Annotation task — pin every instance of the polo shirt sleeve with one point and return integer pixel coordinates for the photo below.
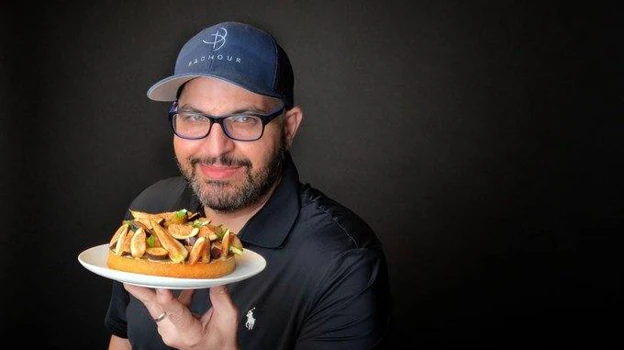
(115, 319)
(352, 309)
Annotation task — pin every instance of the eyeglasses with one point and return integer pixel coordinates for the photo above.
(247, 126)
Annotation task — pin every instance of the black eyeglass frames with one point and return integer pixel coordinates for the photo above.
(247, 126)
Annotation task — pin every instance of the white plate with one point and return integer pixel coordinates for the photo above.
(247, 265)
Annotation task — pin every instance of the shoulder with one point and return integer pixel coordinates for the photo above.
(347, 257)
(161, 195)
(330, 222)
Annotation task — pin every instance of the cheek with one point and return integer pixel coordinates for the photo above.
(274, 137)
(264, 152)
(182, 149)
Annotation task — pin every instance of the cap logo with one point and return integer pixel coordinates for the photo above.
(219, 42)
(219, 39)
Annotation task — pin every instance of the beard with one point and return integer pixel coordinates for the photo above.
(227, 197)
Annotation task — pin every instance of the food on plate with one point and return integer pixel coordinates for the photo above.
(173, 244)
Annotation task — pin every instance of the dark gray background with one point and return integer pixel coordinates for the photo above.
(480, 139)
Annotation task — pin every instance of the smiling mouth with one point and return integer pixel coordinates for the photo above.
(219, 172)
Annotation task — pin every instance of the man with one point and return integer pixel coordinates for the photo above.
(325, 285)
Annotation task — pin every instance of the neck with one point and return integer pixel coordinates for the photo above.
(235, 220)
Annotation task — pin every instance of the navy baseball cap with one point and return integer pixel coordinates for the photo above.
(237, 53)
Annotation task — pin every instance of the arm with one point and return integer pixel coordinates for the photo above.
(117, 343)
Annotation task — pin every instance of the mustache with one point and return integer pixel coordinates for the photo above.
(224, 160)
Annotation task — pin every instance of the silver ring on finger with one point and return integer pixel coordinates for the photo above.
(160, 317)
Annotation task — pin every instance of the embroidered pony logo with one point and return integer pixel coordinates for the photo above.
(250, 319)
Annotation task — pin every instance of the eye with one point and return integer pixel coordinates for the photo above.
(190, 117)
(244, 119)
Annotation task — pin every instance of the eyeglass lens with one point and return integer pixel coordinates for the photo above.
(239, 127)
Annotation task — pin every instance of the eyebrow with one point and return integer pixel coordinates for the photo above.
(250, 109)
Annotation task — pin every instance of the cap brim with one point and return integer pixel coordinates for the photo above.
(166, 89)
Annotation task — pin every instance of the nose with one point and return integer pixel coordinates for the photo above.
(217, 142)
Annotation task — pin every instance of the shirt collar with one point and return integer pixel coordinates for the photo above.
(270, 226)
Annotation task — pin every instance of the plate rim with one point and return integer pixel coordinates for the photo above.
(258, 263)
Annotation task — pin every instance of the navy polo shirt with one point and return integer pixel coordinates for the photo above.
(325, 285)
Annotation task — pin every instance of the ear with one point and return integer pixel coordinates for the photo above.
(292, 120)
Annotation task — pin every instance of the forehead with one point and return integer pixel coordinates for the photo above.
(216, 93)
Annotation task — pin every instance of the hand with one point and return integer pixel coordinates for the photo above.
(180, 328)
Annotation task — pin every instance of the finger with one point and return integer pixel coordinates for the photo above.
(207, 316)
(177, 312)
(147, 296)
(186, 296)
(222, 302)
